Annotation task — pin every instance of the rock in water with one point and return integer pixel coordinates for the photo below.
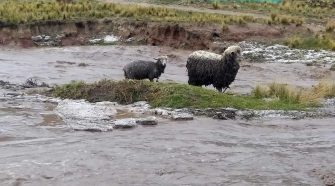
(178, 114)
(125, 123)
(147, 121)
(181, 116)
(328, 179)
(38, 38)
(84, 116)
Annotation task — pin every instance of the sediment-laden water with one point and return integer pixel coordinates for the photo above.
(42, 141)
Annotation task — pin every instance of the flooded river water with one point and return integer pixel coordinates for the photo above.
(39, 148)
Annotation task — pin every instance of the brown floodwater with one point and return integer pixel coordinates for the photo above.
(39, 148)
(62, 65)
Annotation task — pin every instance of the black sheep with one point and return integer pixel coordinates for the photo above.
(145, 69)
(206, 68)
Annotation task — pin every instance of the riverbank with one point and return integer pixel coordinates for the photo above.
(79, 23)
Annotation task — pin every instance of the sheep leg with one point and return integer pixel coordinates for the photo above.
(219, 89)
(157, 80)
(224, 90)
(194, 83)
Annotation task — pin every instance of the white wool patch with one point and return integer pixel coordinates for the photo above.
(201, 54)
(164, 59)
(233, 48)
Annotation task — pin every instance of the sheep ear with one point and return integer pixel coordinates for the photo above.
(156, 58)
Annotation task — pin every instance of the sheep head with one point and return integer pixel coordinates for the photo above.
(233, 53)
(161, 62)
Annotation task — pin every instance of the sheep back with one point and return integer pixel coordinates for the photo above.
(206, 68)
(141, 70)
(202, 68)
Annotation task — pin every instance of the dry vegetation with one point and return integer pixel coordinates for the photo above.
(296, 95)
(322, 3)
(288, 12)
(310, 8)
(330, 26)
(15, 12)
(320, 41)
(285, 20)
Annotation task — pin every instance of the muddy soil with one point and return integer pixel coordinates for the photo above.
(177, 35)
(81, 32)
(40, 148)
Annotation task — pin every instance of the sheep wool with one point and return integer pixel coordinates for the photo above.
(204, 55)
(206, 68)
(145, 69)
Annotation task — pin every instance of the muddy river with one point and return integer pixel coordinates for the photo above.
(39, 147)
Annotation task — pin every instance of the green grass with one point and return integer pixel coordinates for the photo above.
(323, 41)
(167, 95)
(18, 12)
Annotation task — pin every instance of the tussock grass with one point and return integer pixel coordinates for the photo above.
(287, 7)
(290, 94)
(322, 3)
(285, 20)
(167, 95)
(325, 89)
(295, 8)
(330, 26)
(278, 91)
(323, 41)
(215, 5)
(16, 12)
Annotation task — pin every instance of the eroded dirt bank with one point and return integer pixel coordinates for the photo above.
(182, 35)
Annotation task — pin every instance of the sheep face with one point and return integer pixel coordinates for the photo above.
(161, 63)
(233, 53)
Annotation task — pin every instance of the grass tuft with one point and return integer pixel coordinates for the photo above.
(323, 41)
(330, 26)
(295, 95)
(215, 4)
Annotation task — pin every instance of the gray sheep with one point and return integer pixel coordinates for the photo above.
(206, 68)
(145, 69)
